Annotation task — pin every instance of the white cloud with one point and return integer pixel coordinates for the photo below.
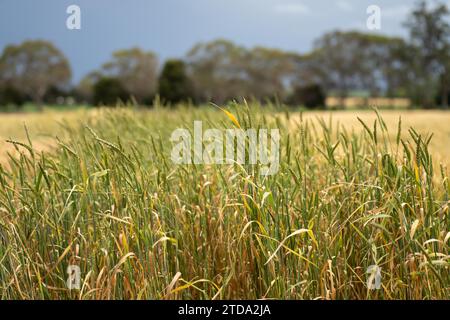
(344, 5)
(296, 8)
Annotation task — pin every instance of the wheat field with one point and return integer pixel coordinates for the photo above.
(97, 189)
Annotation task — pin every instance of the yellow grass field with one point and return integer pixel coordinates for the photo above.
(43, 127)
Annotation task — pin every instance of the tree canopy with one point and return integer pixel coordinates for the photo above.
(174, 84)
(33, 67)
(136, 70)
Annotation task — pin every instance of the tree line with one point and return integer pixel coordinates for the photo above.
(340, 63)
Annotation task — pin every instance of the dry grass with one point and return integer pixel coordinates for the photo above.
(108, 199)
(43, 127)
(425, 122)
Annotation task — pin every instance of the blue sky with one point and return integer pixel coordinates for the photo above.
(171, 27)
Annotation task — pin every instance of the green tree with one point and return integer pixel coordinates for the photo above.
(214, 68)
(345, 61)
(84, 91)
(269, 72)
(222, 71)
(136, 70)
(10, 96)
(429, 32)
(109, 91)
(33, 67)
(311, 96)
(174, 84)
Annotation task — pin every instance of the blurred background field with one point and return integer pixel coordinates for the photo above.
(44, 127)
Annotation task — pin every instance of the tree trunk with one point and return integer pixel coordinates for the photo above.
(39, 99)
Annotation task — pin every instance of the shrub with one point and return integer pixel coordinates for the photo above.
(174, 84)
(311, 96)
(109, 91)
(10, 96)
